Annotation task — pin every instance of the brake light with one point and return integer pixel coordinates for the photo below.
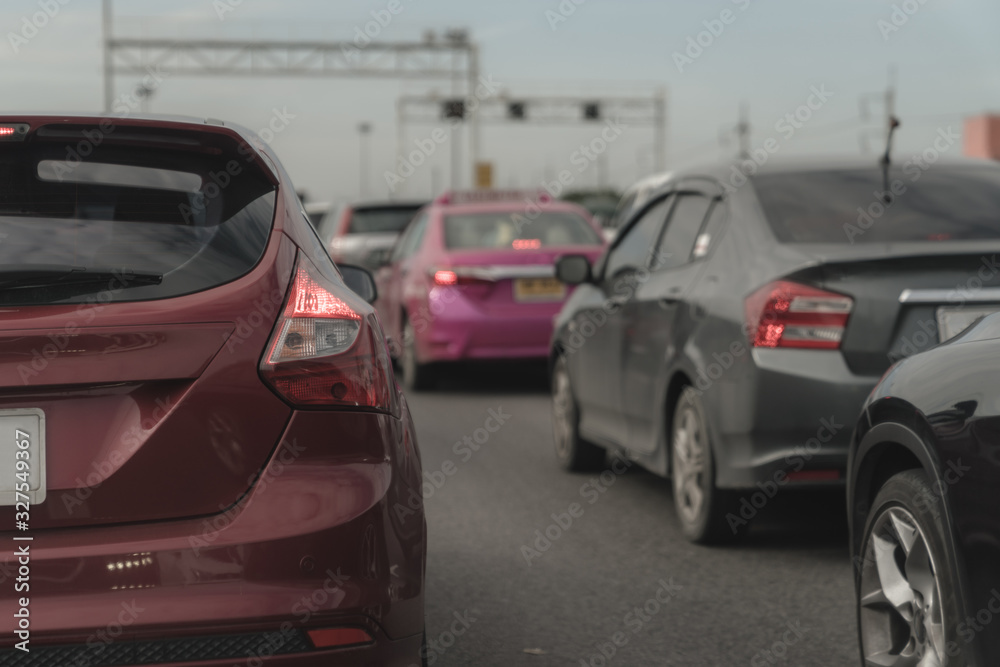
(324, 352)
(461, 275)
(445, 278)
(787, 314)
(14, 132)
(527, 244)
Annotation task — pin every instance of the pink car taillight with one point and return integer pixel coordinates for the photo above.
(469, 279)
(323, 352)
(445, 278)
(787, 314)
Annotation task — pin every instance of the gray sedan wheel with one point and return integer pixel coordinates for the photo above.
(573, 453)
(700, 506)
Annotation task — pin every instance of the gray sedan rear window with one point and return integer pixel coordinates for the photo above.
(943, 203)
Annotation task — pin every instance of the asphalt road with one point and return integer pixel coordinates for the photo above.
(619, 570)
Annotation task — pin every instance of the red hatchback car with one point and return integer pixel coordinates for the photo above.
(473, 277)
(205, 457)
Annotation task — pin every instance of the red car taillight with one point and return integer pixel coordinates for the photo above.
(787, 314)
(323, 352)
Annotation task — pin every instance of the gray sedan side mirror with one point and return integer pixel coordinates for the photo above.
(574, 269)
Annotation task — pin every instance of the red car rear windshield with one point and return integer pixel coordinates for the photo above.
(516, 231)
(846, 206)
(151, 213)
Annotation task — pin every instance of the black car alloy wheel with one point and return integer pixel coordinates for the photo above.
(906, 600)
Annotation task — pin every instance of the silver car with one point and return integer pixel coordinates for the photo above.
(361, 234)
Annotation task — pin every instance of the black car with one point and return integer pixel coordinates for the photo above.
(922, 497)
(731, 333)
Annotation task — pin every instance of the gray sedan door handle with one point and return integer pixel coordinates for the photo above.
(618, 300)
(673, 297)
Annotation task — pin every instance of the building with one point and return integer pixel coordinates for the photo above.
(982, 137)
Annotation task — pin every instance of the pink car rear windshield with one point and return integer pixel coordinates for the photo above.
(516, 231)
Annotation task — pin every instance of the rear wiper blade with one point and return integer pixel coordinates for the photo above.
(52, 275)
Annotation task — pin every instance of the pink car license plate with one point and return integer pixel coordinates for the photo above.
(538, 289)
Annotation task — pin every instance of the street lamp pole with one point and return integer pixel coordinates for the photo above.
(364, 146)
(109, 82)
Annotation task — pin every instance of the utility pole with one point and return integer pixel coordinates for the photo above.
(435, 181)
(400, 140)
(144, 93)
(109, 92)
(364, 148)
(474, 134)
(660, 131)
(741, 131)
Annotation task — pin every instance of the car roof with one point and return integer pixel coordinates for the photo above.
(317, 206)
(815, 163)
(389, 203)
(723, 171)
(651, 182)
(510, 207)
(268, 161)
(164, 120)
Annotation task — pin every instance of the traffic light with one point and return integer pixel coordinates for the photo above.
(454, 109)
(592, 111)
(516, 111)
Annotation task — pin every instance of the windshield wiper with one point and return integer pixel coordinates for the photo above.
(33, 276)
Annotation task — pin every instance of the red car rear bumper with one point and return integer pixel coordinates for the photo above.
(329, 536)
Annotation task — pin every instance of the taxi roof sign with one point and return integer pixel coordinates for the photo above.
(492, 196)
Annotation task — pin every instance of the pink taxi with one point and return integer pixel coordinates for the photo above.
(473, 277)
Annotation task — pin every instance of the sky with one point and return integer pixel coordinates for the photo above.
(821, 62)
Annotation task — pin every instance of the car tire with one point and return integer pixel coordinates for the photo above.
(701, 507)
(573, 452)
(417, 376)
(920, 611)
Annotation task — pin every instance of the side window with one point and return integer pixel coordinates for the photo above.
(622, 210)
(683, 228)
(633, 252)
(411, 239)
(711, 231)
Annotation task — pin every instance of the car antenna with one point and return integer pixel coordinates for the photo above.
(886, 160)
